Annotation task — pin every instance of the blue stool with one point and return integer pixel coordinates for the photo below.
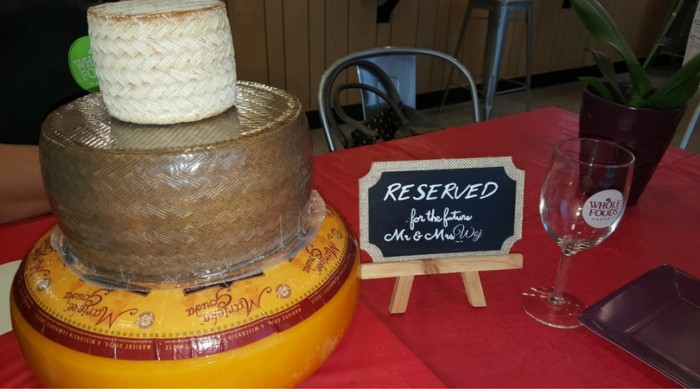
(498, 19)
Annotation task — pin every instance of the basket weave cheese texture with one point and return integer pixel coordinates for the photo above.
(178, 204)
(163, 61)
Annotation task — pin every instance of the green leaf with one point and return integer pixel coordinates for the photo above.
(679, 89)
(674, 98)
(667, 26)
(599, 23)
(607, 69)
(598, 86)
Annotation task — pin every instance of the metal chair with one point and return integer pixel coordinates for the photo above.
(691, 127)
(499, 12)
(400, 64)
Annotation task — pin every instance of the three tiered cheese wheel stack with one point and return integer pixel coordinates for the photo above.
(190, 249)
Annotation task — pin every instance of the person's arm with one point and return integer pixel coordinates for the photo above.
(22, 192)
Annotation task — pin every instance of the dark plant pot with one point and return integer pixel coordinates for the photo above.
(646, 132)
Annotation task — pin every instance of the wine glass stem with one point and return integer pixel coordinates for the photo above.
(565, 260)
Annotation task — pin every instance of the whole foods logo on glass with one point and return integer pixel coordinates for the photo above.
(603, 208)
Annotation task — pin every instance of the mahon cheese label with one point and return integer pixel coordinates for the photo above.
(170, 324)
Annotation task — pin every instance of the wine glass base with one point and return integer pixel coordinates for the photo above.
(539, 304)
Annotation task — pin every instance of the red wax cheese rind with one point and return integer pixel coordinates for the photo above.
(270, 330)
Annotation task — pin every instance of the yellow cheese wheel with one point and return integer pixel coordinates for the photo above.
(270, 330)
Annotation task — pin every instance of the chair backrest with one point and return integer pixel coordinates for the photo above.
(399, 64)
(401, 69)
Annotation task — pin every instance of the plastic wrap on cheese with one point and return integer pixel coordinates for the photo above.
(183, 204)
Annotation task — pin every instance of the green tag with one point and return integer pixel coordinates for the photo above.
(81, 66)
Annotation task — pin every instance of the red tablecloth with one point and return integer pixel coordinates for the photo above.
(443, 341)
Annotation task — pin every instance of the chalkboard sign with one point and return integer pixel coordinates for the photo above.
(440, 208)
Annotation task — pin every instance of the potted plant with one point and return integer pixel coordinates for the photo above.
(633, 114)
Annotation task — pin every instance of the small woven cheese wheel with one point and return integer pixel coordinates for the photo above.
(163, 61)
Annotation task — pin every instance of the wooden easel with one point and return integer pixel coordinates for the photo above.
(469, 267)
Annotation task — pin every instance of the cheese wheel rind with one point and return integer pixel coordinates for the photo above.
(163, 61)
(145, 204)
(63, 324)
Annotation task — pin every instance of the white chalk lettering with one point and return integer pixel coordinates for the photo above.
(467, 233)
(395, 187)
(451, 216)
(415, 218)
(397, 235)
(401, 192)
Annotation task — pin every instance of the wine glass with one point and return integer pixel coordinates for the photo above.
(582, 201)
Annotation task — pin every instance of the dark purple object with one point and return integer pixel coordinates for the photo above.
(646, 132)
(657, 319)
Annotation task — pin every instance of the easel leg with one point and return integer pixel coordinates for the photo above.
(472, 285)
(402, 291)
